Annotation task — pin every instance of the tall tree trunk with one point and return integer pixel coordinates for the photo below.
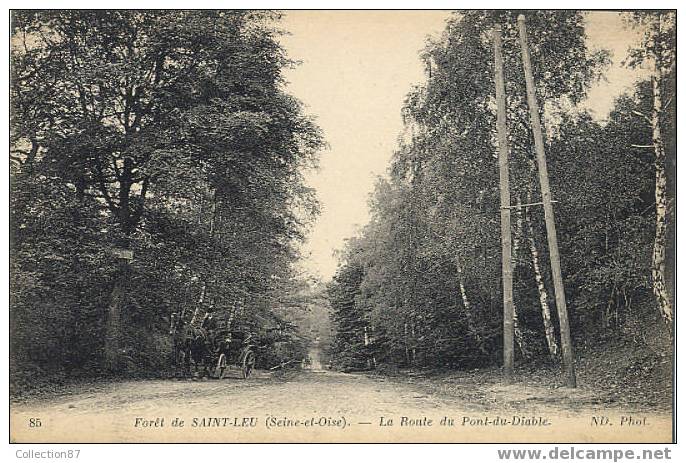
(213, 216)
(371, 343)
(113, 323)
(660, 245)
(553, 347)
(366, 347)
(468, 308)
(196, 313)
(414, 343)
(407, 347)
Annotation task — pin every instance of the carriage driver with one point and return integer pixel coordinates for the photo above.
(208, 321)
(210, 325)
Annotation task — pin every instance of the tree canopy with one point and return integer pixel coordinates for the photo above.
(167, 133)
(429, 260)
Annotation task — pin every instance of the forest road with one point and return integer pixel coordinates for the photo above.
(322, 406)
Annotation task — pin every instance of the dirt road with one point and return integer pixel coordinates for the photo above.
(322, 406)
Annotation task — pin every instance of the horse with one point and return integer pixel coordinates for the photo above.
(190, 343)
(199, 348)
(178, 330)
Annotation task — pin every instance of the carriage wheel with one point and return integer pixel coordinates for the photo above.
(221, 366)
(248, 364)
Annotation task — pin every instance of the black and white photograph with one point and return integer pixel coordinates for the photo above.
(342, 226)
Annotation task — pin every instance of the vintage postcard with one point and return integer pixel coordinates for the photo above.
(389, 226)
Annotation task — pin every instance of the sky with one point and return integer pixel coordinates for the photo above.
(356, 68)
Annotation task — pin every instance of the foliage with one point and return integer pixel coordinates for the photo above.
(427, 273)
(164, 132)
(348, 346)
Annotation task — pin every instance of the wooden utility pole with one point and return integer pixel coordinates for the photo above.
(567, 351)
(505, 233)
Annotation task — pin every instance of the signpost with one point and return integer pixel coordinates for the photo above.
(124, 254)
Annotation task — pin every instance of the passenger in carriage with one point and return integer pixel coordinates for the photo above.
(208, 321)
(209, 325)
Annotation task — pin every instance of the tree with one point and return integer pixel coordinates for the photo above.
(430, 255)
(348, 346)
(457, 106)
(174, 126)
(658, 50)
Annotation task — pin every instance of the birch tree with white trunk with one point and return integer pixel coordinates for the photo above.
(658, 53)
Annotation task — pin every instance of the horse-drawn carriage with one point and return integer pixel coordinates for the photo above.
(211, 345)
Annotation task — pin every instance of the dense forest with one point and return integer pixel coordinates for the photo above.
(156, 163)
(421, 286)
